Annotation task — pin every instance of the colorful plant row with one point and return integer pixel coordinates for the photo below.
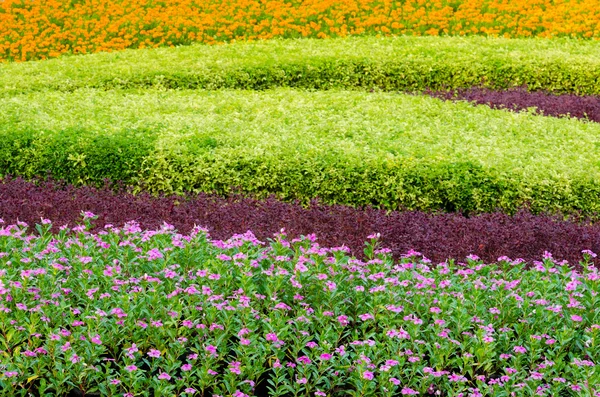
(567, 105)
(34, 30)
(439, 236)
(389, 64)
(357, 148)
(139, 313)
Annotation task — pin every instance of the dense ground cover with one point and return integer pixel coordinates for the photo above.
(389, 64)
(519, 99)
(383, 149)
(135, 312)
(438, 236)
(33, 29)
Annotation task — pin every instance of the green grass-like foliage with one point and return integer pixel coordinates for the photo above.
(350, 147)
(397, 63)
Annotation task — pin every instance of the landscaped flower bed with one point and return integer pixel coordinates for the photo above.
(33, 29)
(437, 235)
(134, 312)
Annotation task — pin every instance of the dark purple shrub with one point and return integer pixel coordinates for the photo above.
(437, 236)
(581, 107)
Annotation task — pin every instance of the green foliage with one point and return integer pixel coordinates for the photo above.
(348, 147)
(389, 64)
(74, 155)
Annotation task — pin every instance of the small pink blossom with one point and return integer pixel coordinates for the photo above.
(154, 353)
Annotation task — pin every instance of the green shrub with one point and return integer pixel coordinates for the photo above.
(392, 63)
(348, 147)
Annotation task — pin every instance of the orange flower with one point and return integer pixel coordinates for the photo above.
(35, 29)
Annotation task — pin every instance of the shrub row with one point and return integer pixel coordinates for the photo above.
(390, 64)
(437, 236)
(381, 149)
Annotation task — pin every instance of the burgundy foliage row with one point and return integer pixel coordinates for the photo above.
(437, 236)
(520, 99)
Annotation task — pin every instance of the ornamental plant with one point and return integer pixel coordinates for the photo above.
(39, 30)
(132, 312)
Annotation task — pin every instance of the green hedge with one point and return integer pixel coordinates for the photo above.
(392, 63)
(74, 155)
(349, 147)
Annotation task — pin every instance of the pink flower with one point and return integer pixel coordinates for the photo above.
(10, 374)
(343, 320)
(395, 381)
(519, 349)
(435, 310)
(456, 378)
(271, 337)
(186, 367)
(164, 375)
(407, 391)
(154, 353)
(577, 318)
(234, 367)
(368, 375)
(154, 254)
(320, 393)
(302, 381)
(243, 332)
(131, 368)
(212, 350)
(304, 360)
(190, 390)
(537, 375)
(365, 317)
(326, 356)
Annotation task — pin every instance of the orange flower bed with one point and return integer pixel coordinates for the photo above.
(36, 29)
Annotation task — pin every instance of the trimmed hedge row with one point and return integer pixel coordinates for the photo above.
(385, 150)
(392, 63)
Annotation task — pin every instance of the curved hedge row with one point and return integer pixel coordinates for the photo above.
(386, 150)
(395, 63)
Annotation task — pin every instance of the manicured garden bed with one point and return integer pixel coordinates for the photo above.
(132, 312)
(438, 236)
(220, 174)
(402, 63)
(356, 148)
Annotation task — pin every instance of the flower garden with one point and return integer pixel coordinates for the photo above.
(341, 198)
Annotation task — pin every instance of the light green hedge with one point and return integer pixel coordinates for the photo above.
(383, 149)
(392, 63)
